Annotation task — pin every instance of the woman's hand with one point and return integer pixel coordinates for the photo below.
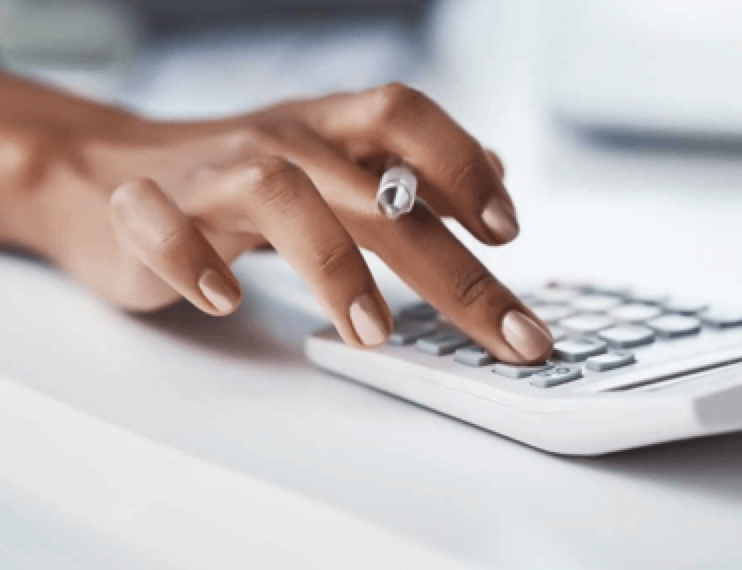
(145, 213)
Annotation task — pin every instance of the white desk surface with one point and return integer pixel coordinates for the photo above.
(221, 390)
(226, 391)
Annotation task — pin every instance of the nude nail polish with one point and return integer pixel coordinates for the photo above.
(500, 220)
(220, 293)
(526, 337)
(368, 320)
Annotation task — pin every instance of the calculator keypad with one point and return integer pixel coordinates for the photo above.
(593, 327)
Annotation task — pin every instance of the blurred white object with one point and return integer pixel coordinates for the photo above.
(83, 45)
(226, 71)
(81, 33)
(667, 65)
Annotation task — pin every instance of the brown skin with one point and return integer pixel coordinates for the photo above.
(145, 213)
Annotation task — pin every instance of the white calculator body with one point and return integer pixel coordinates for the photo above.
(629, 369)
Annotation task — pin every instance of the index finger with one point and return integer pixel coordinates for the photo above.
(425, 254)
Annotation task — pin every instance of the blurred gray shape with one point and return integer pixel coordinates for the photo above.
(79, 34)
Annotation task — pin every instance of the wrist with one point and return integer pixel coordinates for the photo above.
(50, 168)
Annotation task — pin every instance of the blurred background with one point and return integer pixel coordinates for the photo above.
(620, 111)
(558, 86)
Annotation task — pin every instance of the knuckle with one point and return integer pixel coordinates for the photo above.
(466, 171)
(394, 99)
(129, 195)
(336, 258)
(21, 153)
(272, 181)
(241, 140)
(472, 285)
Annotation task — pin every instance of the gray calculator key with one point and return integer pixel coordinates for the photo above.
(586, 324)
(409, 331)
(627, 336)
(442, 343)
(555, 295)
(649, 297)
(674, 326)
(527, 299)
(635, 313)
(622, 291)
(574, 285)
(552, 314)
(578, 349)
(595, 303)
(473, 355)
(555, 376)
(721, 318)
(518, 372)
(557, 333)
(610, 360)
(419, 312)
(688, 307)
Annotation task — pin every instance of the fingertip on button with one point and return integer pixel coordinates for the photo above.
(526, 337)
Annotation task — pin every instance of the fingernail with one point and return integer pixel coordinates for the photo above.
(500, 220)
(368, 320)
(218, 291)
(525, 336)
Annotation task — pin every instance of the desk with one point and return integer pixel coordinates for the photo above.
(224, 391)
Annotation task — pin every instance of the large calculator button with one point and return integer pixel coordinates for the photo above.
(586, 324)
(518, 372)
(408, 331)
(578, 349)
(627, 336)
(610, 360)
(687, 307)
(552, 314)
(674, 326)
(442, 343)
(473, 355)
(419, 312)
(635, 313)
(557, 375)
(721, 318)
(595, 303)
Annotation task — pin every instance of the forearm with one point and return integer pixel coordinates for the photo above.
(44, 138)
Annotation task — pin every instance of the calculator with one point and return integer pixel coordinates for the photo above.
(630, 368)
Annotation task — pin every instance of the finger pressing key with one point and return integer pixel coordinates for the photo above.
(420, 249)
